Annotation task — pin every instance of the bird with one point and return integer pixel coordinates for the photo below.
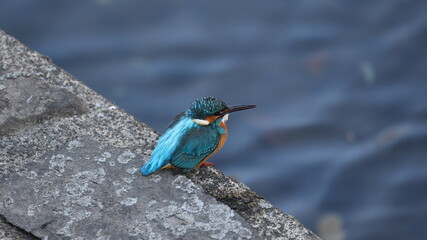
(193, 136)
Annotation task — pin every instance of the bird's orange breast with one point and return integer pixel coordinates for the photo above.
(220, 144)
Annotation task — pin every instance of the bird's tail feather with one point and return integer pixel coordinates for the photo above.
(148, 168)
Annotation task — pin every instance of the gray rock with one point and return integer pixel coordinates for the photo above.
(268, 221)
(28, 101)
(69, 163)
(10, 232)
(87, 189)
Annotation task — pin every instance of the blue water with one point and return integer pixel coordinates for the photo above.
(339, 139)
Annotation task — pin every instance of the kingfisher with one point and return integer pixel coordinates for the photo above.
(193, 136)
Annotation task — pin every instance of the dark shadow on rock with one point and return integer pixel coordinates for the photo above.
(269, 221)
(10, 231)
(26, 101)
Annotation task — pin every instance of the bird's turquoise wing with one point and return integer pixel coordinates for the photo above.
(197, 144)
(175, 120)
(184, 145)
(167, 145)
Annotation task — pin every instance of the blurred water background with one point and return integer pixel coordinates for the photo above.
(339, 139)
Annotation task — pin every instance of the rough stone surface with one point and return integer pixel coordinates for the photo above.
(269, 221)
(81, 187)
(27, 102)
(10, 232)
(69, 164)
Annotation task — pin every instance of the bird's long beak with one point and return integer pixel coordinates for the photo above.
(236, 108)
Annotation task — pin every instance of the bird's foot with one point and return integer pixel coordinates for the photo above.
(207, 164)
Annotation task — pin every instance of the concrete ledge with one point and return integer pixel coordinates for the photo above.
(69, 164)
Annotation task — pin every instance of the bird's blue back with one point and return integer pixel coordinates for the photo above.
(185, 144)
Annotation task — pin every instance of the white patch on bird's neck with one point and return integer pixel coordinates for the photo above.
(201, 122)
(225, 118)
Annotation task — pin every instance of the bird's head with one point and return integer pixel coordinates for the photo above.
(207, 110)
